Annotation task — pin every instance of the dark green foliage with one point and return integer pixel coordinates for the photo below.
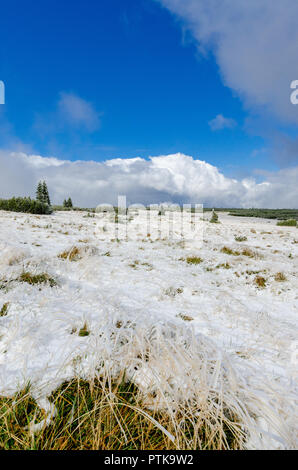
(45, 194)
(281, 214)
(42, 193)
(288, 223)
(78, 209)
(25, 204)
(39, 195)
(68, 203)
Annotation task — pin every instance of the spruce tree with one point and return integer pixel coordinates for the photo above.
(69, 203)
(39, 192)
(45, 194)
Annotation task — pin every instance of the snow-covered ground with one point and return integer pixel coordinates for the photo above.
(144, 282)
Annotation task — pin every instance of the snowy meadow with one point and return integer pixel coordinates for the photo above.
(204, 327)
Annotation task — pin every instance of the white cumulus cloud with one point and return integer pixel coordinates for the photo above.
(175, 178)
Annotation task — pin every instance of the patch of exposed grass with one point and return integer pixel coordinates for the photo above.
(260, 281)
(71, 255)
(172, 291)
(240, 239)
(229, 251)
(33, 279)
(110, 415)
(4, 309)
(224, 266)
(194, 260)
(248, 252)
(84, 331)
(280, 277)
(184, 317)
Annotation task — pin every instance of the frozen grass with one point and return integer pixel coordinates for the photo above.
(73, 254)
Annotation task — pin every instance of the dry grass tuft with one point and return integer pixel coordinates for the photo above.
(4, 309)
(280, 277)
(260, 281)
(71, 255)
(229, 251)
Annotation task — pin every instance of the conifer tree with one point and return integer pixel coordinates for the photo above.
(45, 194)
(39, 192)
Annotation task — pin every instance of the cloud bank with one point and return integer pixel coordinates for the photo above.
(255, 43)
(174, 178)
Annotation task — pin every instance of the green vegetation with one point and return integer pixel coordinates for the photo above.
(68, 203)
(281, 214)
(110, 415)
(288, 223)
(229, 251)
(214, 218)
(244, 252)
(84, 331)
(25, 204)
(33, 279)
(193, 260)
(240, 239)
(42, 193)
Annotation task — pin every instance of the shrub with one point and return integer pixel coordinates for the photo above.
(287, 223)
(25, 204)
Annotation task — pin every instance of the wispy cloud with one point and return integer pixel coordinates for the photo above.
(78, 112)
(220, 122)
(70, 114)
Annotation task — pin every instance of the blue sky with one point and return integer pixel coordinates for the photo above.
(91, 80)
(142, 74)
